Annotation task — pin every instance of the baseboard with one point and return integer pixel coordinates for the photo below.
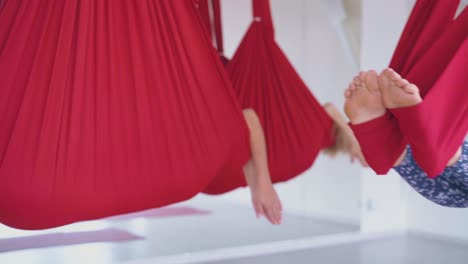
(266, 248)
(439, 237)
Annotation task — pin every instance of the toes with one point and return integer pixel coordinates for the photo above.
(362, 76)
(384, 78)
(394, 74)
(385, 73)
(395, 77)
(407, 88)
(347, 93)
(411, 88)
(401, 82)
(372, 72)
(351, 88)
(356, 80)
(372, 80)
(388, 73)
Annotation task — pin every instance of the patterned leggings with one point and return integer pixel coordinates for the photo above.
(448, 189)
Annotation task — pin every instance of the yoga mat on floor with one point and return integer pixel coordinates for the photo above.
(173, 211)
(64, 239)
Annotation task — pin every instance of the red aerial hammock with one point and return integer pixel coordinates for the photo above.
(296, 126)
(110, 107)
(432, 53)
(210, 13)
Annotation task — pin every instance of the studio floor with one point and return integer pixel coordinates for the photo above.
(213, 231)
(397, 250)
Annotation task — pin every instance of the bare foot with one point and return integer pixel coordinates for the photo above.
(364, 99)
(265, 199)
(396, 91)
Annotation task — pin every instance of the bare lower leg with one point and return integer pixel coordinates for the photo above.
(258, 164)
(264, 197)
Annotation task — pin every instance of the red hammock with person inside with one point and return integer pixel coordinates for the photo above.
(109, 107)
(296, 126)
(432, 53)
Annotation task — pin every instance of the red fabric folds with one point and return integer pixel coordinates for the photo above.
(296, 126)
(431, 53)
(437, 127)
(384, 133)
(110, 107)
(210, 12)
(218, 26)
(427, 20)
(262, 13)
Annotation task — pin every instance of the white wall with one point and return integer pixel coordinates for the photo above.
(383, 197)
(310, 38)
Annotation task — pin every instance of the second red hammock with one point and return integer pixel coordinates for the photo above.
(296, 126)
(428, 55)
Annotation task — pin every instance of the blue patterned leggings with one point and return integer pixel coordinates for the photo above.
(448, 189)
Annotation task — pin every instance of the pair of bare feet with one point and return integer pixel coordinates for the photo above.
(370, 95)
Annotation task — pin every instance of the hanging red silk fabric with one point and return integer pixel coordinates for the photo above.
(432, 53)
(109, 107)
(296, 126)
(210, 13)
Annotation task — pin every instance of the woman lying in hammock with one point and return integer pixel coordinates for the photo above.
(264, 197)
(369, 97)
